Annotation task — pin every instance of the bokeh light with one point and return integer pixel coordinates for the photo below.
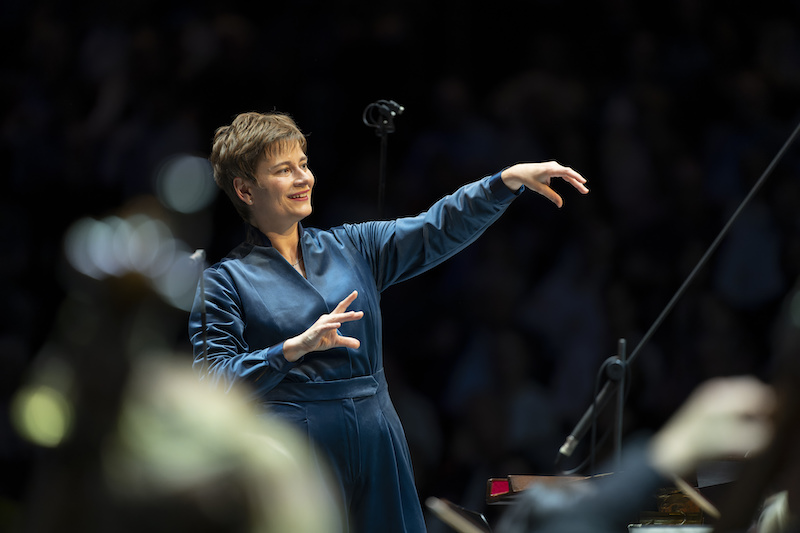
(185, 183)
(42, 414)
(116, 246)
(178, 282)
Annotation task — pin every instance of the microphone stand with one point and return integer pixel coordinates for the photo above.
(615, 369)
(199, 256)
(601, 399)
(621, 377)
(380, 115)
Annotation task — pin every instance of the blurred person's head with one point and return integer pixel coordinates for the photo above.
(186, 458)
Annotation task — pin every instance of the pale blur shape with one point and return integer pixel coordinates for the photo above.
(42, 411)
(139, 244)
(177, 436)
(42, 414)
(185, 183)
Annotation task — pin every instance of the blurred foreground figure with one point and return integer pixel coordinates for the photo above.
(183, 458)
(723, 418)
(195, 461)
(128, 440)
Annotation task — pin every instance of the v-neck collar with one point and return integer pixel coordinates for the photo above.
(256, 237)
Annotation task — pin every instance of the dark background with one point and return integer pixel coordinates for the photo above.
(671, 110)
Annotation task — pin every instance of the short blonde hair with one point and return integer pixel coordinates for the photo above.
(238, 147)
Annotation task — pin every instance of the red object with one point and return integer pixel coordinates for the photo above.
(499, 487)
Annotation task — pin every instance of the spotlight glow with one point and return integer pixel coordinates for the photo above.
(42, 415)
(185, 183)
(115, 246)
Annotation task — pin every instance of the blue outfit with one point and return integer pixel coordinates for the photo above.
(255, 300)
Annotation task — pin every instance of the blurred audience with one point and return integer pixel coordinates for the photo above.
(673, 112)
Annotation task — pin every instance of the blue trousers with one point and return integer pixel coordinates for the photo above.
(359, 440)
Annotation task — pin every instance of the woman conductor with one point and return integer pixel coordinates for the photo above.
(278, 307)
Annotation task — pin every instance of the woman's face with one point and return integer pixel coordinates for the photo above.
(282, 196)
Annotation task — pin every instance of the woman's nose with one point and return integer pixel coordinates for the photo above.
(304, 174)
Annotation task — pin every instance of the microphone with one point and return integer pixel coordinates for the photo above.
(390, 106)
(381, 114)
(583, 425)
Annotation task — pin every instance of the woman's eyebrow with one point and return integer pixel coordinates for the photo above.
(287, 162)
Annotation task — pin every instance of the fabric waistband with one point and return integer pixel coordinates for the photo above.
(357, 387)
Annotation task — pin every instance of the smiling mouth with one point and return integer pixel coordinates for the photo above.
(299, 196)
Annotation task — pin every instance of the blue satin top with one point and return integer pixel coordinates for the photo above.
(255, 299)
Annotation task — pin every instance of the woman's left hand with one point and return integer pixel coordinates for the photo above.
(324, 333)
(537, 176)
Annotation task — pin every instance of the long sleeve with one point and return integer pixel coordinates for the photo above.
(224, 354)
(404, 248)
(255, 300)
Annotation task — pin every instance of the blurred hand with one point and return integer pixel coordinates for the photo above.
(722, 418)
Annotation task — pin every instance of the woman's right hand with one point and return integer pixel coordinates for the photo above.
(538, 177)
(324, 334)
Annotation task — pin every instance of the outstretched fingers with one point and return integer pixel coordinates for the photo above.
(545, 190)
(539, 176)
(344, 304)
(348, 342)
(324, 333)
(575, 179)
(567, 174)
(339, 316)
(340, 313)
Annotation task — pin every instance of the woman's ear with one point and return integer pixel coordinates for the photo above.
(243, 190)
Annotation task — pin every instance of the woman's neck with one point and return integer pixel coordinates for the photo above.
(286, 242)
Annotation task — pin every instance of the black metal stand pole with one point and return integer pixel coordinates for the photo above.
(380, 115)
(602, 397)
